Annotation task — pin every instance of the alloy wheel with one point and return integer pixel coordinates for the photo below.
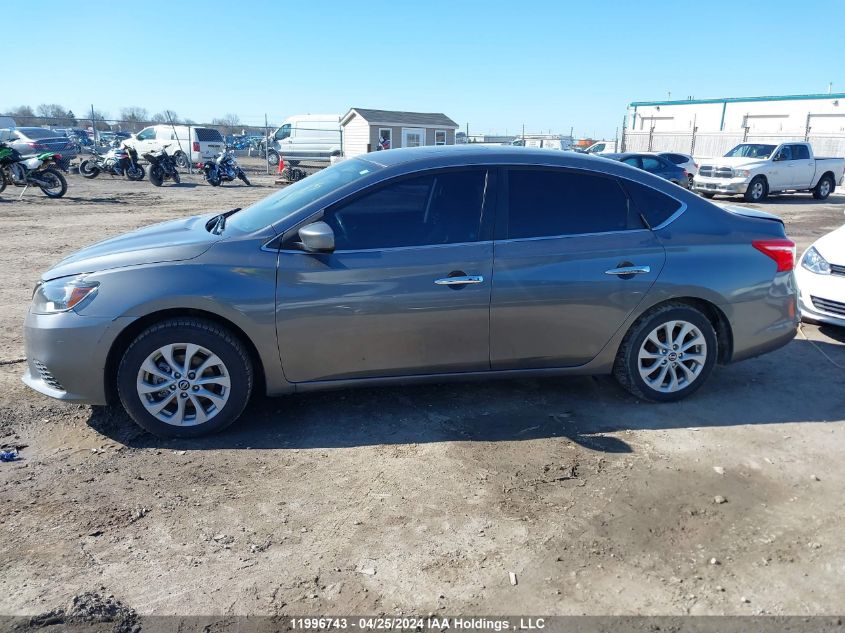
(183, 384)
(672, 356)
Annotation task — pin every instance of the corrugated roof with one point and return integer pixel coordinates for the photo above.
(426, 119)
(835, 95)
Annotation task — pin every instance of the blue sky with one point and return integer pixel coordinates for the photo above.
(549, 65)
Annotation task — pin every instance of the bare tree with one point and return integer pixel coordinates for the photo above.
(134, 117)
(99, 120)
(229, 122)
(165, 116)
(23, 115)
(54, 114)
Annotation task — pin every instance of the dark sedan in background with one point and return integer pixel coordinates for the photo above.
(656, 165)
(35, 140)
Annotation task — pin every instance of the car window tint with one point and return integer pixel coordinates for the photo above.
(633, 161)
(652, 164)
(440, 208)
(800, 152)
(544, 203)
(677, 159)
(656, 207)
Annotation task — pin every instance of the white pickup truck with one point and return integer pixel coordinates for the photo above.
(756, 169)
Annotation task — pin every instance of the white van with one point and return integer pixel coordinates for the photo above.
(601, 147)
(314, 137)
(182, 141)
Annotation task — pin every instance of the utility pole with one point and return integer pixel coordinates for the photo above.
(93, 125)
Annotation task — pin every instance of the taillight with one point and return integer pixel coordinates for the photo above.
(57, 157)
(782, 251)
(37, 145)
(196, 146)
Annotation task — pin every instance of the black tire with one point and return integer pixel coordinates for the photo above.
(176, 178)
(626, 369)
(181, 159)
(88, 169)
(53, 175)
(136, 173)
(243, 177)
(206, 334)
(2, 181)
(273, 157)
(213, 179)
(709, 196)
(757, 190)
(691, 180)
(156, 175)
(824, 187)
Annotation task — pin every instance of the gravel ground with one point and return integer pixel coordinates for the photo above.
(422, 499)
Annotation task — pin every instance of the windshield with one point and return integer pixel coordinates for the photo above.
(294, 197)
(751, 150)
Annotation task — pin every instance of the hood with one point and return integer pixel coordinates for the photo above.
(739, 162)
(749, 213)
(832, 246)
(171, 241)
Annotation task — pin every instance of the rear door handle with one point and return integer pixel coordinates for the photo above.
(459, 281)
(628, 270)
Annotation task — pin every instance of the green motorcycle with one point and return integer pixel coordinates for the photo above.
(38, 171)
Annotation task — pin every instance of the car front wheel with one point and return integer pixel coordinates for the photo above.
(667, 354)
(185, 378)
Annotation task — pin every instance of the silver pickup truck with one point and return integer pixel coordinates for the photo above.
(755, 170)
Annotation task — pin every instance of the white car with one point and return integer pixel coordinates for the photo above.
(821, 280)
(180, 141)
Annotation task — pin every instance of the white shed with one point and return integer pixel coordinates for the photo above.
(365, 130)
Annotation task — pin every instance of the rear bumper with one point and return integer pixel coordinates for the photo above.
(720, 185)
(767, 322)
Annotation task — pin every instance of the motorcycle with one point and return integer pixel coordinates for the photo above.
(36, 170)
(222, 168)
(162, 167)
(118, 161)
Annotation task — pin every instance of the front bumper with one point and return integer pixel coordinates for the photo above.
(66, 355)
(821, 297)
(729, 186)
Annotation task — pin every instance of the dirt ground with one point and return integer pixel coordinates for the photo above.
(422, 499)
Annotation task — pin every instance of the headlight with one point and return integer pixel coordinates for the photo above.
(741, 173)
(61, 295)
(814, 262)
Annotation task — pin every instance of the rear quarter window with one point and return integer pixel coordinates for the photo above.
(655, 207)
(206, 135)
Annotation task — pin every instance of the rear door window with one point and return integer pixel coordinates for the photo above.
(438, 208)
(653, 164)
(551, 202)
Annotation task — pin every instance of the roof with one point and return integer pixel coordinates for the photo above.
(472, 153)
(396, 117)
(835, 95)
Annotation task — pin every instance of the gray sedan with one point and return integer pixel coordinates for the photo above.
(30, 141)
(425, 264)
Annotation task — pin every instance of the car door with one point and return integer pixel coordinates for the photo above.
(803, 170)
(145, 140)
(406, 290)
(572, 260)
(780, 176)
(660, 167)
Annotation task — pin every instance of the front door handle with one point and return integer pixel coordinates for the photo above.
(628, 270)
(461, 280)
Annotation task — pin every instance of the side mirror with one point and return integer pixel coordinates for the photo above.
(317, 237)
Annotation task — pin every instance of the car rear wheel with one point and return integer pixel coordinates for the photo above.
(667, 354)
(181, 159)
(185, 378)
(757, 190)
(823, 188)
